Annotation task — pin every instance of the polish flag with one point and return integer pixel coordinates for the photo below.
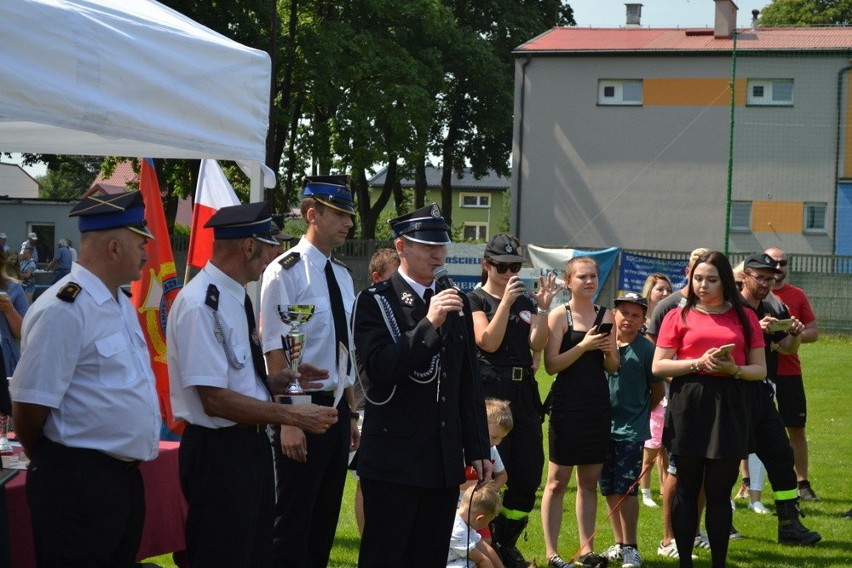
(213, 192)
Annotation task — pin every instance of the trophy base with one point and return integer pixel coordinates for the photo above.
(294, 398)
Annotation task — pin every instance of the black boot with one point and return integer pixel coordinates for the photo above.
(790, 530)
(505, 533)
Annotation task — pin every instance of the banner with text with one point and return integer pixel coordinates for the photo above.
(635, 269)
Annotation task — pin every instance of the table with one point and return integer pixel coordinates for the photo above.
(164, 516)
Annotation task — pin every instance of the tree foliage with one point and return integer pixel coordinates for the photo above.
(807, 13)
(363, 84)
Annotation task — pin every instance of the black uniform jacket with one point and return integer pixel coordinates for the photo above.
(417, 431)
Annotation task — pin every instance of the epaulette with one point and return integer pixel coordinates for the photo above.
(69, 292)
(212, 297)
(340, 262)
(379, 287)
(290, 260)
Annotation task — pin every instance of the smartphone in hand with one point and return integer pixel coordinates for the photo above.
(604, 329)
(725, 349)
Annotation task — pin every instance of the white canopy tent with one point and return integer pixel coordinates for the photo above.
(129, 78)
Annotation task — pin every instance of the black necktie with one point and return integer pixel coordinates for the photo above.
(254, 343)
(427, 295)
(341, 334)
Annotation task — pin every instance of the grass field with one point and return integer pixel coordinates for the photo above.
(827, 365)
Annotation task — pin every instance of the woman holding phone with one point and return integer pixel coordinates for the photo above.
(580, 415)
(707, 418)
(509, 323)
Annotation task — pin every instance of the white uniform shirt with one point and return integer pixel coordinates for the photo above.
(198, 358)
(88, 362)
(305, 283)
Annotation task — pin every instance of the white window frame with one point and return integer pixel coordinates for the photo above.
(745, 209)
(481, 230)
(480, 197)
(771, 88)
(617, 88)
(812, 206)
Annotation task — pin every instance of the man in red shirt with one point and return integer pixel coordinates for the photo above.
(790, 390)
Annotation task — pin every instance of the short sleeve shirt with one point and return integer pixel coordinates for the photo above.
(304, 282)
(514, 351)
(799, 306)
(629, 391)
(87, 361)
(204, 353)
(700, 332)
(462, 540)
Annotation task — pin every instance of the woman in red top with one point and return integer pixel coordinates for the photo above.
(707, 428)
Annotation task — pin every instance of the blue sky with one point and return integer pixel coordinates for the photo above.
(659, 13)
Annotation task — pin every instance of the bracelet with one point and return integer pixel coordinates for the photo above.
(543, 311)
(738, 374)
(693, 367)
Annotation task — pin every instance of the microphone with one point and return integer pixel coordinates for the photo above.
(444, 282)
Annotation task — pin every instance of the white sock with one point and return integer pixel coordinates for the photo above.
(646, 492)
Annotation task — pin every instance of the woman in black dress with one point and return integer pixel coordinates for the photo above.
(580, 415)
(509, 322)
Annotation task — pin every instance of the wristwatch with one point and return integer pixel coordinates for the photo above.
(354, 415)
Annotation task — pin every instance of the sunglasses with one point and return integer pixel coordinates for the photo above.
(502, 268)
(780, 262)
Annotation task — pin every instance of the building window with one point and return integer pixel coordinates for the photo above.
(741, 216)
(620, 92)
(770, 92)
(475, 232)
(815, 217)
(482, 200)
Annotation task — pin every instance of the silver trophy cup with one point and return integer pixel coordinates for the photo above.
(294, 315)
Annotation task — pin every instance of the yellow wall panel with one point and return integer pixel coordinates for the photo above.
(692, 92)
(777, 216)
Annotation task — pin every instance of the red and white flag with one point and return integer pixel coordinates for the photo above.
(213, 192)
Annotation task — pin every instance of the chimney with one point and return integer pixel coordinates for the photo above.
(726, 19)
(634, 15)
(754, 23)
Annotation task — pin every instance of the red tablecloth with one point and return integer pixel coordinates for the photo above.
(164, 516)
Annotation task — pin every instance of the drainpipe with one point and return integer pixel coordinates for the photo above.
(521, 146)
(840, 75)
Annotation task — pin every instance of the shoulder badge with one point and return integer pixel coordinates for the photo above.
(69, 292)
(212, 297)
(290, 260)
(336, 260)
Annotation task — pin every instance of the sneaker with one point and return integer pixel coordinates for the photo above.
(631, 558)
(758, 508)
(735, 534)
(556, 561)
(670, 550)
(743, 492)
(807, 494)
(593, 560)
(613, 552)
(649, 502)
(848, 514)
(701, 541)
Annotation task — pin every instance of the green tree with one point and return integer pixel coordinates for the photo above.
(807, 13)
(67, 177)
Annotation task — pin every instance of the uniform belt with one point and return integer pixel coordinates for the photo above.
(49, 452)
(514, 373)
(322, 398)
(256, 428)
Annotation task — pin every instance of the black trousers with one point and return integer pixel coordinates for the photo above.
(226, 475)
(87, 508)
(770, 438)
(522, 450)
(310, 494)
(406, 526)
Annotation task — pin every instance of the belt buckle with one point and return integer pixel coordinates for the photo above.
(517, 373)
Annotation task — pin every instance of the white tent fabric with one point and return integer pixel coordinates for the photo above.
(128, 78)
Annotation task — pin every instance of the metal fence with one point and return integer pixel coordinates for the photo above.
(827, 280)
